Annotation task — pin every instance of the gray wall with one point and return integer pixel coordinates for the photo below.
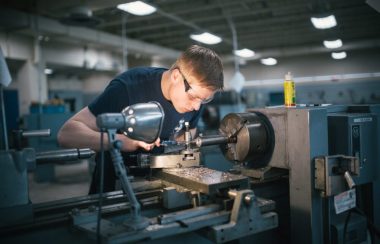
(318, 79)
(363, 92)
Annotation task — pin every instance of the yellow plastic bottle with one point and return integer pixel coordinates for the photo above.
(289, 91)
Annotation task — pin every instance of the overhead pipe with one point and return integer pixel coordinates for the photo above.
(22, 23)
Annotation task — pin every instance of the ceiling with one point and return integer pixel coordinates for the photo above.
(268, 27)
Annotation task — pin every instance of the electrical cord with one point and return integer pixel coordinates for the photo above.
(101, 176)
(375, 232)
(345, 225)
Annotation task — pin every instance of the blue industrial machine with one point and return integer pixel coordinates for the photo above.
(331, 154)
(301, 175)
(38, 121)
(15, 205)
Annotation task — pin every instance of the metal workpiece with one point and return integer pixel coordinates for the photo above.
(173, 146)
(254, 138)
(204, 180)
(212, 140)
(174, 160)
(63, 155)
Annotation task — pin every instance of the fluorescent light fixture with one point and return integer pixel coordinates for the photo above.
(48, 71)
(340, 55)
(206, 38)
(245, 53)
(137, 8)
(268, 61)
(333, 44)
(324, 22)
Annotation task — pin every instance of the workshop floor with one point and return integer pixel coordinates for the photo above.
(71, 180)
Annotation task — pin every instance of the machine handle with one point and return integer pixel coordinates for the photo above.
(35, 133)
(350, 181)
(19, 134)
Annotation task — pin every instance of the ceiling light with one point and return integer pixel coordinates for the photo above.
(333, 44)
(48, 71)
(245, 53)
(80, 16)
(268, 61)
(206, 38)
(137, 8)
(340, 55)
(324, 22)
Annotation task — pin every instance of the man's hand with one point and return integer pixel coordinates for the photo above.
(130, 145)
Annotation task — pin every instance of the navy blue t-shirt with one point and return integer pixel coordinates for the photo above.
(137, 85)
(141, 85)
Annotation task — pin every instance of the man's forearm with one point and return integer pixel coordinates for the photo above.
(77, 135)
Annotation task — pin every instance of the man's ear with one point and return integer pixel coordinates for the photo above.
(174, 75)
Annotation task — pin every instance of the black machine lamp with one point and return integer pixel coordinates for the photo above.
(143, 122)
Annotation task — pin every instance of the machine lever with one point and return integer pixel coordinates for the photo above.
(349, 179)
(36, 133)
(19, 134)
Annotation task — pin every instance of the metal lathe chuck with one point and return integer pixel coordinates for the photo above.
(254, 138)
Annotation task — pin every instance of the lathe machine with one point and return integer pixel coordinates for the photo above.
(303, 175)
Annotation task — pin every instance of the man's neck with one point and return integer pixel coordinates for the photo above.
(165, 84)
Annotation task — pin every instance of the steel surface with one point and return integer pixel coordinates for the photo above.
(204, 180)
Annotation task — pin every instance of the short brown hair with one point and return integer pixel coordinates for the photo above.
(206, 65)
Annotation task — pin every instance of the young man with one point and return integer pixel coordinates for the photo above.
(191, 81)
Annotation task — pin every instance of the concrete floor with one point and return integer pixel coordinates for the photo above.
(71, 180)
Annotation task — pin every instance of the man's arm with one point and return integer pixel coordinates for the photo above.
(80, 131)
